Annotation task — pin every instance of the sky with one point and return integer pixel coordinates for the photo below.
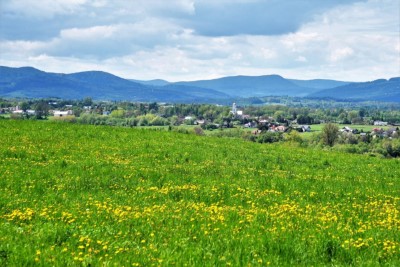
(182, 40)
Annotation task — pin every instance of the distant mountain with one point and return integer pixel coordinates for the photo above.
(29, 82)
(204, 93)
(319, 83)
(32, 83)
(156, 82)
(378, 90)
(253, 86)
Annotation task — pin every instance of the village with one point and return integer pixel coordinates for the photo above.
(162, 114)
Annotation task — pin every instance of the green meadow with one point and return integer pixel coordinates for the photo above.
(81, 195)
(360, 127)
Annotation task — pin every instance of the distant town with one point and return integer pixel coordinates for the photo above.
(356, 127)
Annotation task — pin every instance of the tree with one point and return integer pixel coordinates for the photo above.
(330, 134)
(24, 106)
(279, 116)
(118, 113)
(87, 101)
(42, 110)
(304, 119)
(153, 107)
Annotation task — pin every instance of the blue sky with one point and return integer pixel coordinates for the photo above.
(203, 39)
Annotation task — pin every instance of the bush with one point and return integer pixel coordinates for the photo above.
(70, 118)
(294, 137)
(209, 126)
(180, 130)
(392, 147)
(198, 131)
(249, 136)
(231, 132)
(16, 116)
(270, 137)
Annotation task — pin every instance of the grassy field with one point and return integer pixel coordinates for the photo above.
(79, 195)
(5, 116)
(317, 128)
(365, 128)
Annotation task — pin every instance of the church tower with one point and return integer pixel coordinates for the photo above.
(234, 109)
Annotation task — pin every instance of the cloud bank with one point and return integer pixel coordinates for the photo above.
(199, 39)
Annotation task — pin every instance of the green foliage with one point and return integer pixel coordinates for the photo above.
(305, 119)
(42, 109)
(330, 134)
(118, 113)
(228, 132)
(294, 136)
(82, 195)
(87, 101)
(269, 137)
(24, 106)
(392, 147)
(209, 126)
(198, 131)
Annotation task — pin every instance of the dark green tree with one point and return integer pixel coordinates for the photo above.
(87, 101)
(24, 106)
(42, 109)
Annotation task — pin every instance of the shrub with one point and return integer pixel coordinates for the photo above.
(198, 131)
(270, 137)
(294, 137)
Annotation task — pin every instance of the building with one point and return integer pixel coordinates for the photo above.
(380, 123)
(234, 109)
(59, 113)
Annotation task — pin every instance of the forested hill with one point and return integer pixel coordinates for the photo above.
(378, 90)
(32, 83)
(28, 82)
(250, 86)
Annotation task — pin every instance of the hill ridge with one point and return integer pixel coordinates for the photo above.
(30, 82)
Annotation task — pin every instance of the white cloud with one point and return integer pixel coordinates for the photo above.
(89, 33)
(301, 59)
(21, 47)
(151, 39)
(340, 53)
(42, 8)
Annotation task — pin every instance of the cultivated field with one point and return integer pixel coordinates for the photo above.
(79, 195)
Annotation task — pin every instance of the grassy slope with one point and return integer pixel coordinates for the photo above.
(73, 195)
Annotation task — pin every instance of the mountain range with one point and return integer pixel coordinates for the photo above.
(378, 90)
(28, 82)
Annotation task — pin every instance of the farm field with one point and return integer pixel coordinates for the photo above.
(80, 195)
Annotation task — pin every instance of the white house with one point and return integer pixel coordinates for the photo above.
(380, 123)
(346, 129)
(59, 113)
(305, 128)
(200, 122)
